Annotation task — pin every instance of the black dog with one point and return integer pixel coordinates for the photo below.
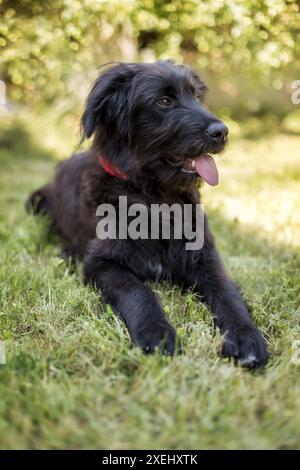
(152, 136)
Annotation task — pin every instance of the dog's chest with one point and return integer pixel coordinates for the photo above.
(154, 270)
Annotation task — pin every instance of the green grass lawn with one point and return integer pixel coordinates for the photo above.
(72, 378)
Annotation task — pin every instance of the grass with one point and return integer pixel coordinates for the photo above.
(72, 379)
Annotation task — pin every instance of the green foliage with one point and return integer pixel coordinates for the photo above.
(44, 44)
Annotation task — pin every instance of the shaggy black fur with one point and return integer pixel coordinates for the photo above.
(146, 119)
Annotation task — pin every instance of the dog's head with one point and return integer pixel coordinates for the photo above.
(149, 120)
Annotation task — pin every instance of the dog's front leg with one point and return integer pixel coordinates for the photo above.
(242, 339)
(135, 303)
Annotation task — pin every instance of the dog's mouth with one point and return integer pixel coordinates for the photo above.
(203, 166)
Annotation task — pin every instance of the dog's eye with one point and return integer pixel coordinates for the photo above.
(164, 102)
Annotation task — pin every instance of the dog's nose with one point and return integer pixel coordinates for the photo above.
(217, 131)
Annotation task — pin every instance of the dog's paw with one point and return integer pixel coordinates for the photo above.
(246, 345)
(157, 335)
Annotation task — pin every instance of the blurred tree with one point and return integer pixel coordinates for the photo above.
(43, 44)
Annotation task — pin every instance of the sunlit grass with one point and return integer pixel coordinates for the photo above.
(259, 187)
(72, 380)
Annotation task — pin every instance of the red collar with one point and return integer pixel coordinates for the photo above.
(111, 169)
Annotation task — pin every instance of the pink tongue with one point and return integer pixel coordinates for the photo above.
(206, 167)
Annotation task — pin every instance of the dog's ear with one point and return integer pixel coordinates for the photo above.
(108, 99)
(198, 83)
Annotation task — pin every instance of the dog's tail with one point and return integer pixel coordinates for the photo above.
(40, 202)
